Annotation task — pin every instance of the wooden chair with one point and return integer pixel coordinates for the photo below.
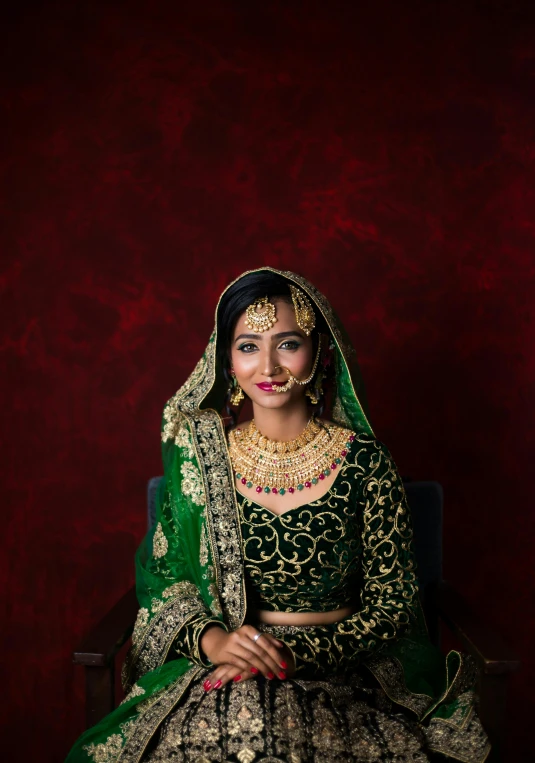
(440, 601)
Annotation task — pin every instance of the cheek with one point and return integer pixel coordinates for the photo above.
(241, 362)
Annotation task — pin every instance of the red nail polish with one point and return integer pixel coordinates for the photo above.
(236, 678)
(270, 675)
(283, 664)
(254, 671)
(217, 684)
(207, 685)
(282, 675)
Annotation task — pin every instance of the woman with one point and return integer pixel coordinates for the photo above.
(279, 616)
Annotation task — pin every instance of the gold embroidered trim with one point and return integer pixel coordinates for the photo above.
(153, 643)
(203, 550)
(149, 720)
(389, 673)
(222, 519)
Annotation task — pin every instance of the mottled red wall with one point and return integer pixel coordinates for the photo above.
(154, 151)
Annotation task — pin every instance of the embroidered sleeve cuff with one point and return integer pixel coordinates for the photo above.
(188, 642)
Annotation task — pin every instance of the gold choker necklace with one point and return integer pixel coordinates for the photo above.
(272, 466)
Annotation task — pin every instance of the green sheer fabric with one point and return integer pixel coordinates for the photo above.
(190, 572)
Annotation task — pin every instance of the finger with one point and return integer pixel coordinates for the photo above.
(258, 658)
(267, 652)
(251, 631)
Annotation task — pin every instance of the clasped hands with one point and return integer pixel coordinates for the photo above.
(240, 656)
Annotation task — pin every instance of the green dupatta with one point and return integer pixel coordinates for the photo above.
(189, 569)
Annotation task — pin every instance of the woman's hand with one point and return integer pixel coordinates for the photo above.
(239, 650)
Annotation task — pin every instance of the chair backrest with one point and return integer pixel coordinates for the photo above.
(426, 503)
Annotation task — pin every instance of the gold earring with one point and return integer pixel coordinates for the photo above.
(310, 393)
(237, 393)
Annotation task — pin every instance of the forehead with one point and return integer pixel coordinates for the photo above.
(285, 314)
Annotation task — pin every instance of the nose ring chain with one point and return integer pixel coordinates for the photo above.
(292, 379)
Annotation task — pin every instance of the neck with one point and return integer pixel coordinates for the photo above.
(282, 424)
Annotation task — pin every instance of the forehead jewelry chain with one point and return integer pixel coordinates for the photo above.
(304, 312)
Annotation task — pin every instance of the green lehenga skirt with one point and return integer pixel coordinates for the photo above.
(379, 712)
(341, 720)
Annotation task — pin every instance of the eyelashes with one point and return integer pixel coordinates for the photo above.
(249, 347)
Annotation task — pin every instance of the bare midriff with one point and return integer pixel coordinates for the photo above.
(302, 618)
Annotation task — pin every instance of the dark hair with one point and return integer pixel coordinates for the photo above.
(237, 299)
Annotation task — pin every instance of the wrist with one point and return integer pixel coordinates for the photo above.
(211, 638)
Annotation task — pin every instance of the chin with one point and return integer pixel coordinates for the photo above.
(274, 400)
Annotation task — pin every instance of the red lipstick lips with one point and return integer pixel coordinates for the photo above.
(268, 386)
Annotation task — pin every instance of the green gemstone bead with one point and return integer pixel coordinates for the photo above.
(300, 487)
(337, 460)
(282, 491)
(267, 490)
(348, 444)
(314, 480)
(238, 476)
(327, 472)
(249, 484)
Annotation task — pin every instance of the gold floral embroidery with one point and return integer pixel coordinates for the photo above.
(173, 419)
(183, 440)
(159, 542)
(106, 752)
(192, 483)
(135, 691)
(184, 588)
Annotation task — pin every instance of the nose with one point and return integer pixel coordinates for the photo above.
(268, 364)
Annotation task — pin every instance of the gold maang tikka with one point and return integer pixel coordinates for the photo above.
(261, 315)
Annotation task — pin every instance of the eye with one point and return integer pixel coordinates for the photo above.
(247, 347)
(290, 344)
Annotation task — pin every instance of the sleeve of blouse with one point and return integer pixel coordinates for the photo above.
(389, 585)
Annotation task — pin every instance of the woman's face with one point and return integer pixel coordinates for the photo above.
(255, 358)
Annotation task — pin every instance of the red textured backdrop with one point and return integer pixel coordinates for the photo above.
(153, 151)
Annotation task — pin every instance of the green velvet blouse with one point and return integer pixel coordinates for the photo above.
(351, 546)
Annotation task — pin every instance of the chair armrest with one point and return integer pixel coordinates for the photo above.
(491, 652)
(103, 642)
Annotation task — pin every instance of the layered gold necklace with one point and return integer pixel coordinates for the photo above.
(277, 467)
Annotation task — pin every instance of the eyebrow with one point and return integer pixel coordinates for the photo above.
(282, 335)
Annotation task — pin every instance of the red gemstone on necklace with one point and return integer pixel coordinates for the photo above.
(321, 476)
(343, 453)
(259, 489)
(351, 437)
(274, 490)
(243, 481)
(308, 484)
(291, 490)
(333, 466)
